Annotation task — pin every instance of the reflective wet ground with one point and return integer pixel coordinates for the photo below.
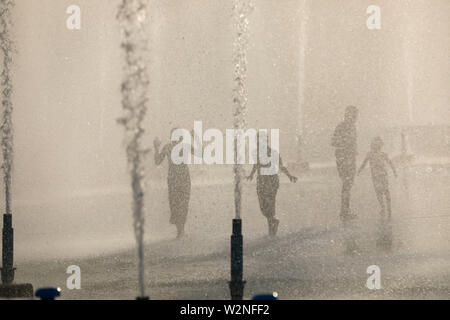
(313, 256)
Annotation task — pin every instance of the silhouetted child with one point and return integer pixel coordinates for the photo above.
(378, 161)
(267, 187)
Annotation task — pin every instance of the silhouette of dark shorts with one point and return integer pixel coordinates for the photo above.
(381, 183)
(346, 165)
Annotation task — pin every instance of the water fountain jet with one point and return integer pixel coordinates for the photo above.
(242, 9)
(8, 289)
(132, 16)
(7, 270)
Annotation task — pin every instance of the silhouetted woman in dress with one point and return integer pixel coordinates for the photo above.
(179, 183)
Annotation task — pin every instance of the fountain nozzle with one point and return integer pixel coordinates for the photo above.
(7, 269)
(7, 288)
(237, 283)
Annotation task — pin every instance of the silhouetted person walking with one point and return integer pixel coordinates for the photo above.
(179, 183)
(267, 189)
(378, 161)
(345, 142)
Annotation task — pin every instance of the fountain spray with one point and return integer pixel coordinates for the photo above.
(8, 289)
(6, 48)
(132, 16)
(305, 6)
(242, 9)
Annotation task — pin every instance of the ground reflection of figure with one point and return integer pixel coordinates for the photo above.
(351, 239)
(384, 239)
(179, 183)
(267, 189)
(378, 161)
(345, 142)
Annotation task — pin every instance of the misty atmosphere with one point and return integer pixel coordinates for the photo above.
(90, 182)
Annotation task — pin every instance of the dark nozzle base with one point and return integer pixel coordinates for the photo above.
(237, 262)
(16, 291)
(8, 275)
(237, 227)
(237, 290)
(7, 270)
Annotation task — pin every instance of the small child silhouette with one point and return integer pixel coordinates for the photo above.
(378, 160)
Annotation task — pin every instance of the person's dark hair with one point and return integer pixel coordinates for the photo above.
(377, 143)
(351, 112)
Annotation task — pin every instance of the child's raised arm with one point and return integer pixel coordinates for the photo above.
(159, 156)
(286, 172)
(363, 165)
(196, 147)
(250, 177)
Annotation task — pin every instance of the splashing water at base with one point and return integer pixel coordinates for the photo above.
(132, 18)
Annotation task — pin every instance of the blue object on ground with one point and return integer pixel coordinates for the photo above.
(266, 296)
(48, 293)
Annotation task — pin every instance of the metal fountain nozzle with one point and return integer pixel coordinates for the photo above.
(7, 270)
(237, 283)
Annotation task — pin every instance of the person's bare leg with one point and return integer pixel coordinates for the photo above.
(345, 197)
(180, 231)
(380, 198)
(270, 219)
(273, 223)
(263, 205)
(388, 202)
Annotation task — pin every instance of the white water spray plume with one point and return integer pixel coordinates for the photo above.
(242, 10)
(6, 47)
(132, 17)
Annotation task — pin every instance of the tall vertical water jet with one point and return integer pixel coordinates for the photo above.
(8, 289)
(132, 16)
(241, 9)
(409, 83)
(305, 9)
(408, 44)
(304, 19)
(6, 47)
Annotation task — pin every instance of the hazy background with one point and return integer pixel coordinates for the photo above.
(67, 82)
(307, 60)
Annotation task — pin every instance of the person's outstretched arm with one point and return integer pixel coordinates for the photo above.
(363, 164)
(252, 174)
(159, 156)
(336, 139)
(196, 147)
(286, 172)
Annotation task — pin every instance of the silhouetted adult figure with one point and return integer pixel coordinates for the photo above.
(267, 188)
(179, 184)
(345, 142)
